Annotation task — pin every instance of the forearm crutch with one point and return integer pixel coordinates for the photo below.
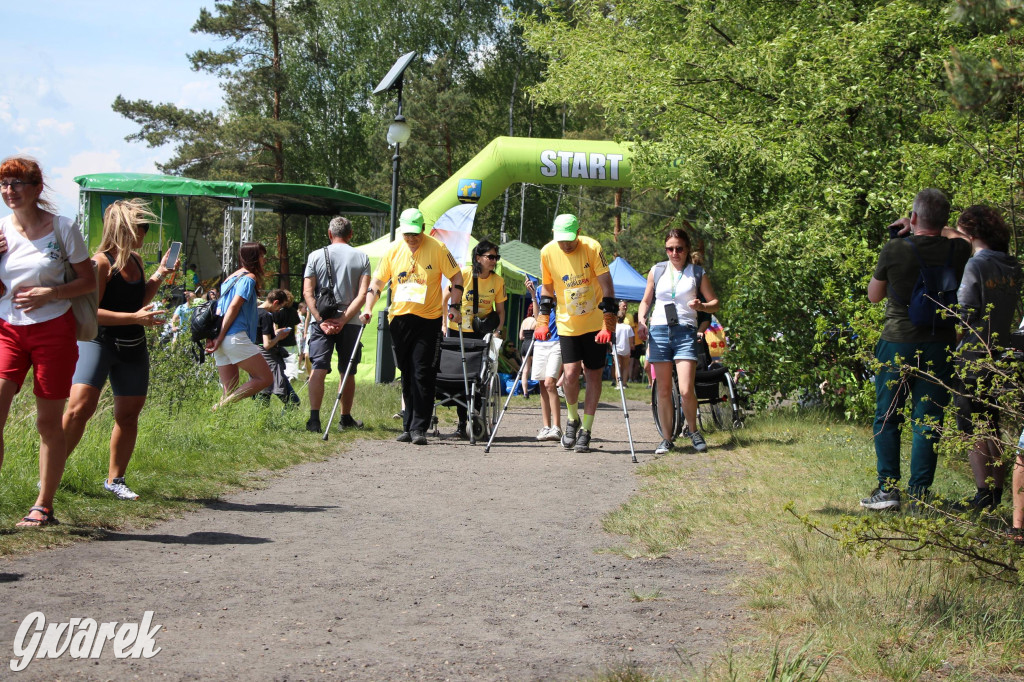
(515, 384)
(344, 379)
(625, 412)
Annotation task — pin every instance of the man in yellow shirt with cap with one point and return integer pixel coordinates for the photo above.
(574, 271)
(413, 267)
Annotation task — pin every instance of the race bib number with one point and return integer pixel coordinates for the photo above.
(411, 292)
(579, 300)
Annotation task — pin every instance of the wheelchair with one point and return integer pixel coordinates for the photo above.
(714, 387)
(481, 400)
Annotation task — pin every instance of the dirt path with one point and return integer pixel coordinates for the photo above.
(388, 561)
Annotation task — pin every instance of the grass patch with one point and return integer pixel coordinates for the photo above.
(817, 605)
(185, 457)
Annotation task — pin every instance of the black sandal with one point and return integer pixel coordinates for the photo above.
(47, 520)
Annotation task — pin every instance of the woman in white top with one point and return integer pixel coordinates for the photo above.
(673, 300)
(37, 327)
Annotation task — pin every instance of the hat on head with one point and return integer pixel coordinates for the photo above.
(566, 227)
(410, 222)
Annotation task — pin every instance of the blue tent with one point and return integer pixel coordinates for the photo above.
(629, 284)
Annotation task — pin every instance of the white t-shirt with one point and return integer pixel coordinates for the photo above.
(37, 263)
(623, 339)
(685, 285)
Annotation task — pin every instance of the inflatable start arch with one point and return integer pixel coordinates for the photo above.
(509, 160)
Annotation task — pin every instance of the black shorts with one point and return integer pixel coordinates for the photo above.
(585, 348)
(124, 362)
(321, 347)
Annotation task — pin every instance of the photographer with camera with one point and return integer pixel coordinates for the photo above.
(334, 287)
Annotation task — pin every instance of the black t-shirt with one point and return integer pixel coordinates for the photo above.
(264, 325)
(288, 317)
(899, 267)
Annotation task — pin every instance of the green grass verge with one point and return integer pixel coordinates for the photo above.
(815, 604)
(185, 457)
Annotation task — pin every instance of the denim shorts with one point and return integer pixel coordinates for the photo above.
(672, 343)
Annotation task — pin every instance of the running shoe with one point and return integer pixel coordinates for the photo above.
(119, 489)
(554, 433)
(664, 448)
(698, 441)
(347, 421)
(881, 500)
(582, 441)
(569, 435)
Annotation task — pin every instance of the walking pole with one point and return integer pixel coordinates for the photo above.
(515, 384)
(625, 412)
(341, 386)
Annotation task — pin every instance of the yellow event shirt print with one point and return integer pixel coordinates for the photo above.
(573, 277)
(415, 278)
(492, 290)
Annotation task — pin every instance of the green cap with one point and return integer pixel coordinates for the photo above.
(566, 227)
(410, 222)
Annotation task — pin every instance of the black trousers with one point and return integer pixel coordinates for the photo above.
(416, 342)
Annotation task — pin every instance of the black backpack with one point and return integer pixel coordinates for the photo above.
(206, 322)
(326, 301)
(934, 292)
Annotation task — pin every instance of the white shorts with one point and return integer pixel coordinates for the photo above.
(234, 349)
(547, 360)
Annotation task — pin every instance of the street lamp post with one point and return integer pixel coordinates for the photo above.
(398, 134)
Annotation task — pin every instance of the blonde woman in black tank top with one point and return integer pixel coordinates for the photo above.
(119, 352)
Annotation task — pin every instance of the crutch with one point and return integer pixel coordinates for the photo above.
(625, 412)
(341, 386)
(520, 373)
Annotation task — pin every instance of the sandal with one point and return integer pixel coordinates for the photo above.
(47, 520)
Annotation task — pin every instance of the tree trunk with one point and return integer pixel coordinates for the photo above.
(282, 232)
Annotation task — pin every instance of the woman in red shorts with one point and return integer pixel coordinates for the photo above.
(37, 327)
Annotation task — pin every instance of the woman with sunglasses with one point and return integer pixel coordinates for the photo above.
(676, 291)
(488, 290)
(119, 351)
(37, 327)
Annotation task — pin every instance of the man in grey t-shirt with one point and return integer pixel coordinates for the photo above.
(351, 270)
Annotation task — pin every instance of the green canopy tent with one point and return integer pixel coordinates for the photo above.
(171, 197)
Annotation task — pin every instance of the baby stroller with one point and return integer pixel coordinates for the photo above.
(481, 379)
(714, 387)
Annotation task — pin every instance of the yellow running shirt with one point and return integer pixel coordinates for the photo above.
(573, 278)
(492, 290)
(416, 277)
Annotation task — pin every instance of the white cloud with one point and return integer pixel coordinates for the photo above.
(64, 189)
(52, 125)
(10, 119)
(204, 94)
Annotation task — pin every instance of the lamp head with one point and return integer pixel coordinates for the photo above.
(398, 131)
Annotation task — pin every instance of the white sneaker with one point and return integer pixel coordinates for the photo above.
(119, 489)
(553, 433)
(543, 433)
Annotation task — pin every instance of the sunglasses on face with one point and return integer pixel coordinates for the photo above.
(675, 249)
(489, 256)
(15, 184)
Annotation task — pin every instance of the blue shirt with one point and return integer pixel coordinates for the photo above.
(245, 321)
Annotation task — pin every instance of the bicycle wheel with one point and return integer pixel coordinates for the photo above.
(677, 423)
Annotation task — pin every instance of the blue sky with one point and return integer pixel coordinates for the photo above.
(65, 62)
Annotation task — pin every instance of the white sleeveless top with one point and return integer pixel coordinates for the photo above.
(685, 291)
